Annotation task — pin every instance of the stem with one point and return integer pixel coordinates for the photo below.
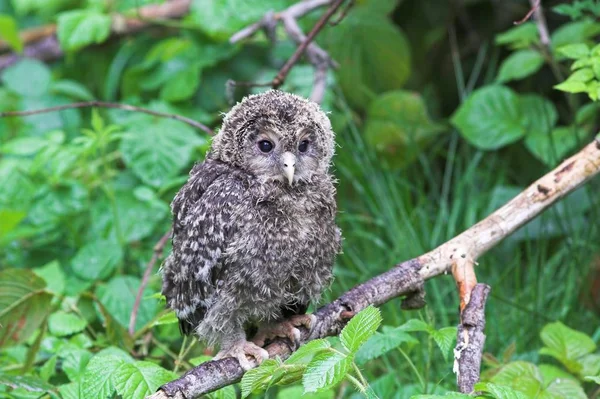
(414, 369)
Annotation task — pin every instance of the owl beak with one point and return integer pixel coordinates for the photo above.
(288, 161)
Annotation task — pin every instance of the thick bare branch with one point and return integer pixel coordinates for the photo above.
(406, 279)
(470, 340)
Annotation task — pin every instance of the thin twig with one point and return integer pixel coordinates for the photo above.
(104, 104)
(407, 278)
(534, 6)
(157, 253)
(540, 22)
(342, 14)
(316, 55)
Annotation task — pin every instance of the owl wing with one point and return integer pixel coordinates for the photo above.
(202, 223)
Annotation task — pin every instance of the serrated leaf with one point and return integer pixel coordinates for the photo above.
(74, 362)
(182, 85)
(9, 32)
(29, 383)
(62, 324)
(574, 51)
(416, 325)
(490, 118)
(70, 391)
(118, 297)
(308, 350)
(27, 77)
(23, 305)
(97, 259)
(445, 338)
(97, 379)
(140, 379)
(566, 345)
(522, 376)
(360, 328)
(564, 388)
(258, 378)
(520, 65)
(157, 151)
(325, 370)
(381, 343)
(499, 391)
(79, 28)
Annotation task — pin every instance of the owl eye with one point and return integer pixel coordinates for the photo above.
(303, 146)
(265, 146)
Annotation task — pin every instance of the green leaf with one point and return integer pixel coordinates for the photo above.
(445, 338)
(490, 118)
(97, 380)
(9, 32)
(27, 382)
(167, 318)
(360, 328)
(257, 379)
(564, 388)
(23, 305)
(521, 36)
(182, 85)
(10, 220)
(521, 376)
(326, 370)
(118, 297)
(158, 150)
(80, 28)
(74, 362)
(97, 260)
(70, 391)
(399, 126)
(499, 391)
(591, 378)
(552, 147)
(222, 18)
(140, 379)
(416, 325)
(49, 368)
(574, 51)
(381, 343)
(61, 324)
(572, 87)
(71, 89)
(298, 392)
(227, 392)
(539, 114)
(574, 32)
(308, 351)
(371, 65)
(520, 65)
(54, 277)
(27, 77)
(566, 345)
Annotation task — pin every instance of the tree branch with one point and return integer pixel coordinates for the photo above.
(156, 254)
(43, 44)
(315, 54)
(406, 279)
(104, 104)
(470, 340)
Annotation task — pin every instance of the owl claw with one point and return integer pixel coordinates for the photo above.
(285, 329)
(242, 351)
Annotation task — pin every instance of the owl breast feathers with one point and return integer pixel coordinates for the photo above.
(254, 234)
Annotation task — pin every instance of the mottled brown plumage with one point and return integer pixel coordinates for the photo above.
(254, 234)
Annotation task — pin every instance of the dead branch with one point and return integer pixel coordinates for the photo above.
(318, 57)
(156, 254)
(42, 44)
(104, 104)
(535, 4)
(406, 279)
(470, 340)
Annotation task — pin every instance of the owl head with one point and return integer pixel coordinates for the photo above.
(276, 136)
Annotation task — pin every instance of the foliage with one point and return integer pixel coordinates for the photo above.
(443, 112)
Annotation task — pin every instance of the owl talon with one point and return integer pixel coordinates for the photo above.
(285, 329)
(242, 351)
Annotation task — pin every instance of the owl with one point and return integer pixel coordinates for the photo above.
(254, 233)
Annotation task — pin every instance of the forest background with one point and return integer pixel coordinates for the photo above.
(443, 112)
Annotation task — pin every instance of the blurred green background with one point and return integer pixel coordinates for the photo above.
(443, 112)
